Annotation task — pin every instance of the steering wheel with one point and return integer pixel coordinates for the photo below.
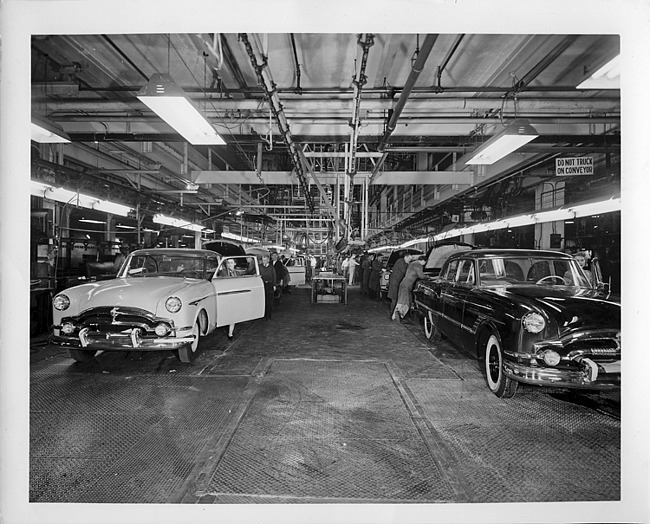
(551, 277)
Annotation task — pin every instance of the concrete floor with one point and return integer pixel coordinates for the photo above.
(325, 403)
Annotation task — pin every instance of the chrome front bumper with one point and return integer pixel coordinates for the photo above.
(125, 340)
(591, 375)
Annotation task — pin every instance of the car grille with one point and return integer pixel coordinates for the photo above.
(115, 319)
(596, 347)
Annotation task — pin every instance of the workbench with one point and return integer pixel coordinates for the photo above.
(328, 287)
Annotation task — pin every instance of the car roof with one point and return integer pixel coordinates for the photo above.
(486, 252)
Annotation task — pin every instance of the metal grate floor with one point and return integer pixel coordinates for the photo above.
(95, 442)
(517, 450)
(327, 429)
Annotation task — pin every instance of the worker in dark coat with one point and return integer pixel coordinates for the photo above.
(375, 272)
(282, 276)
(396, 276)
(267, 272)
(366, 260)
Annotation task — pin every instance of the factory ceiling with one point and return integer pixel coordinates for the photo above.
(300, 111)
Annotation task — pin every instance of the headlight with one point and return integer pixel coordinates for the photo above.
(551, 358)
(61, 302)
(533, 322)
(173, 304)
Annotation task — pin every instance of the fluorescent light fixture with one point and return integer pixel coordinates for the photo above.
(47, 132)
(170, 103)
(175, 222)
(91, 221)
(565, 213)
(597, 208)
(554, 215)
(521, 220)
(239, 238)
(413, 242)
(112, 208)
(515, 135)
(607, 77)
(66, 196)
(124, 226)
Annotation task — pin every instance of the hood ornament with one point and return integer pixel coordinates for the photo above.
(114, 312)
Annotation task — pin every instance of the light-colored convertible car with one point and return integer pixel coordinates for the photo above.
(162, 299)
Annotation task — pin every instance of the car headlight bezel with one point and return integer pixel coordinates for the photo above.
(551, 357)
(533, 322)
(61, 302)
(173, 304)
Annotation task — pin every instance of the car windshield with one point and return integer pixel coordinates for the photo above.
(496, 271)
(164, 264)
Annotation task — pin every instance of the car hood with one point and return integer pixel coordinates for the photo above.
(572, 308)
(144, 293)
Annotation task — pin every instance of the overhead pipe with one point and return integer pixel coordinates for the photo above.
(298, 89)
(359, 81)
(299, 160)
(416, 69)
(264, 76)
(446, 61)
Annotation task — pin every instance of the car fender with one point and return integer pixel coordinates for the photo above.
(484, 329)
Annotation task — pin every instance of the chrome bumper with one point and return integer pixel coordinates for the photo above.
(591, 375)
(129, 340)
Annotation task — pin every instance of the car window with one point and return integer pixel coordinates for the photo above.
(465, 273)
(237, 267)
(164, 264)
(450, 272)
(516, 270)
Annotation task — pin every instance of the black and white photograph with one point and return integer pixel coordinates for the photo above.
(322, 262)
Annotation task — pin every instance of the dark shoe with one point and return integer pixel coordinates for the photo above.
(230, 337)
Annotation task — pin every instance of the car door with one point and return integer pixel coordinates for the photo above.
(241, 297)
(445, 280)
(455, 296)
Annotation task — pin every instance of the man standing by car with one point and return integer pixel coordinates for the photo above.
(281, 274)
(396, 276)
(267, 272)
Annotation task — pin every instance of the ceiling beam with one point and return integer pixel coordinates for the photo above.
(289, 178)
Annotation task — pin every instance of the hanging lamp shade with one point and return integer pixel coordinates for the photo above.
(515, 135)
(169, 102)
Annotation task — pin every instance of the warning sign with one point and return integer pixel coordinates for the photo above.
(583, 165)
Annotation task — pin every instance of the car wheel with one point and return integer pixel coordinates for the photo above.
(499, 384)
(188, 353)
(82, 355)
(429, 327)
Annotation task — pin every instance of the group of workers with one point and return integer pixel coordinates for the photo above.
(407, 269)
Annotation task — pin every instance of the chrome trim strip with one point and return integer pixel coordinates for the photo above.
(235, 292)
(196, 301)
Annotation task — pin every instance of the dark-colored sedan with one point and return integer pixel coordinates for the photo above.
(531, 316)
